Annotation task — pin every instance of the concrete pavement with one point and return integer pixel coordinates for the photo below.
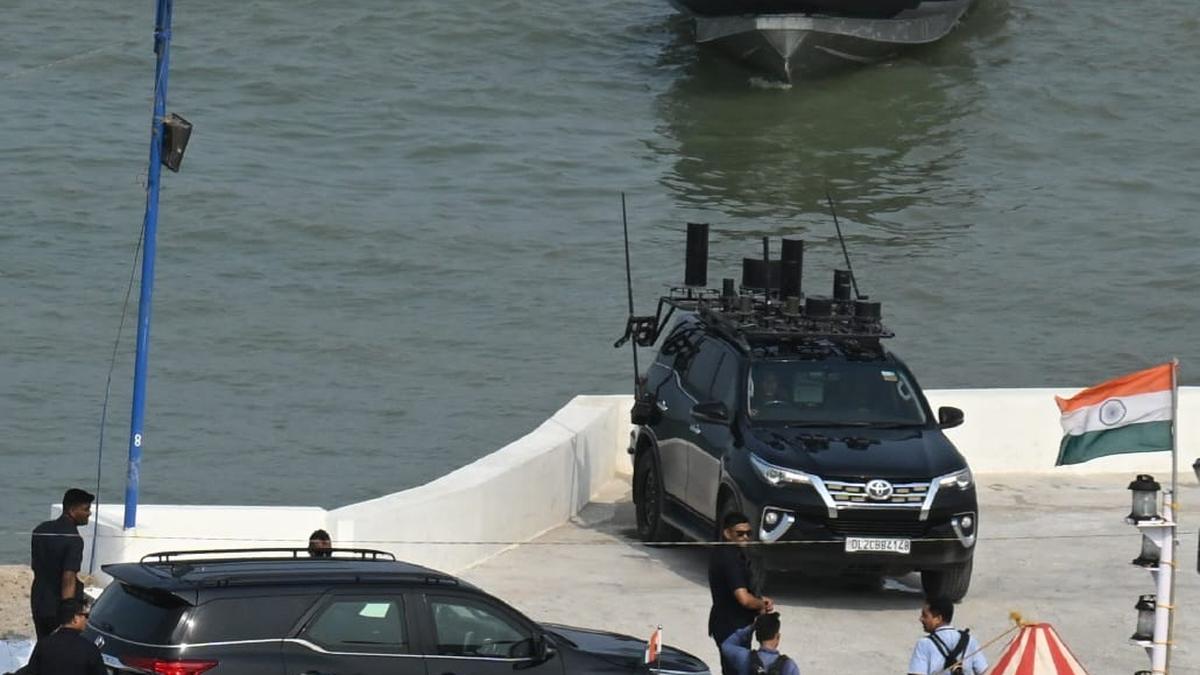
(1054, 549)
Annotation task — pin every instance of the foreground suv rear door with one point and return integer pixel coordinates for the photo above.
(367, 633)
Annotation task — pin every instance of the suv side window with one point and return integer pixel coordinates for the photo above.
(725, 385)
(467, 627)
(699, 376)
(360, 623)
(246, 618)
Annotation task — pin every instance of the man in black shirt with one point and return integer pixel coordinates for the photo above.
(66, 651)
(56, 554)
(734, 602)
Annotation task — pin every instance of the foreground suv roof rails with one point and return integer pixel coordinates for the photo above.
(227, 554)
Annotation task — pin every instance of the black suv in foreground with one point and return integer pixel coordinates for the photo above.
(795, 414)
(357, 611)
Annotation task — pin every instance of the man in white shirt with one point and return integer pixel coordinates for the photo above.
(941, 646)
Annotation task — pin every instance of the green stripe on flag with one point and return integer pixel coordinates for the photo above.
(1147, 437)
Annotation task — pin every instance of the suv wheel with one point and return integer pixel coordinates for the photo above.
(950, 583)
(648, 500)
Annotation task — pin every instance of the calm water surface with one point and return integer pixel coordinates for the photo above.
(394, 245)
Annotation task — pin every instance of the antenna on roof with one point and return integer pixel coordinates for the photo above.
(643, 330)
(629, 287)
(842, 241)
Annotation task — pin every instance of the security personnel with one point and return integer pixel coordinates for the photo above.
(66, 651)
(56, 554)
(734, 603)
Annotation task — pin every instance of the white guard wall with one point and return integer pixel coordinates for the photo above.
(544, 478)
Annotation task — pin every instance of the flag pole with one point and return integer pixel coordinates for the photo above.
(1173, 515)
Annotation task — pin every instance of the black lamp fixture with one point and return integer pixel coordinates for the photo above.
(1145, 499)
(176, 132)
(1145, 622)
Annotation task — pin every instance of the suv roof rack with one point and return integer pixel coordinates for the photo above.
(241, 554)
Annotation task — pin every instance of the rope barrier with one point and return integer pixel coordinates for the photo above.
(622, 542)
(967, 657)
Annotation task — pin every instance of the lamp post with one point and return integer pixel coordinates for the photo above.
(1152, 513)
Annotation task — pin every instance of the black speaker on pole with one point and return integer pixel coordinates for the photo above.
(793, 252)
(695, 272)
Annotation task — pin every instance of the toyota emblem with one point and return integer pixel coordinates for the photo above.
(879, 490)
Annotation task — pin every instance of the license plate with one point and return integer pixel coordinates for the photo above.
(872, 545)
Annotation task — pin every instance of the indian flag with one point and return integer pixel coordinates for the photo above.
(653, 647)
(1132, 413)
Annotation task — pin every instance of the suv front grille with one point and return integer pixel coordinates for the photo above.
(910, 529)
(847, 494)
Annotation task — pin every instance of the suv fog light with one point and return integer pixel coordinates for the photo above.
(967, 523)
(775, 523)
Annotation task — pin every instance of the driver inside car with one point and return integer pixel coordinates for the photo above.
(768, 391)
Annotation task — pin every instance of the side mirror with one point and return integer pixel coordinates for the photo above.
(711, 411)
(543, 651)
(948, 417)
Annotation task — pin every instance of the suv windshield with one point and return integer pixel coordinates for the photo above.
(833, 393)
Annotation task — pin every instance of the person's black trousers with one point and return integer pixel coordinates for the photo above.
(44, 626)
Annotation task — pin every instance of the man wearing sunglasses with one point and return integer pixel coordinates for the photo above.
(66, 651)
(734, 603)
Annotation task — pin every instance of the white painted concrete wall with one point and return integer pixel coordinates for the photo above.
(542, 479)
(1018, 431)
(513, 494)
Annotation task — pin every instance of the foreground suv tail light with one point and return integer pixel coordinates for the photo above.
(169, 667)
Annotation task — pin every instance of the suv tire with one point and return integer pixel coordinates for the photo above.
(951, 583)
(648, 500)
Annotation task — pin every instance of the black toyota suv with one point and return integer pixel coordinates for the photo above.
(276, 611)
(790, 409)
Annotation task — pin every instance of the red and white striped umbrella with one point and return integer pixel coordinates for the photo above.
(1037, 650)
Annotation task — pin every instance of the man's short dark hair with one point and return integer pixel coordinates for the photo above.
(942, 607)
(67, 609)
(76, 497)
(319, 535)
(766, 626)
(733, 519)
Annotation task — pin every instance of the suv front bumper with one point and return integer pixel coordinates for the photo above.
(800, 527)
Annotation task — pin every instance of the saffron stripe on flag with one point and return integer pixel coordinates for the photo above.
(1153, 379)
(1148, 437)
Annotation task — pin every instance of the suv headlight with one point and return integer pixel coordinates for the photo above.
(777, 475)
(960, 479)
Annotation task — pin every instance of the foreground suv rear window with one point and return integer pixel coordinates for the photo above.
(138, 614)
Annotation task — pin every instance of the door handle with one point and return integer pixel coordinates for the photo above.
(695, 428)
(662, 405)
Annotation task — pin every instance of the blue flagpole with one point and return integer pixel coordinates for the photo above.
(162, 48)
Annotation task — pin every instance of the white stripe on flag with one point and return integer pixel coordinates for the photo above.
(1139, 408)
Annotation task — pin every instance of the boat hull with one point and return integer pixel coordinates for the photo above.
(792, 46)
